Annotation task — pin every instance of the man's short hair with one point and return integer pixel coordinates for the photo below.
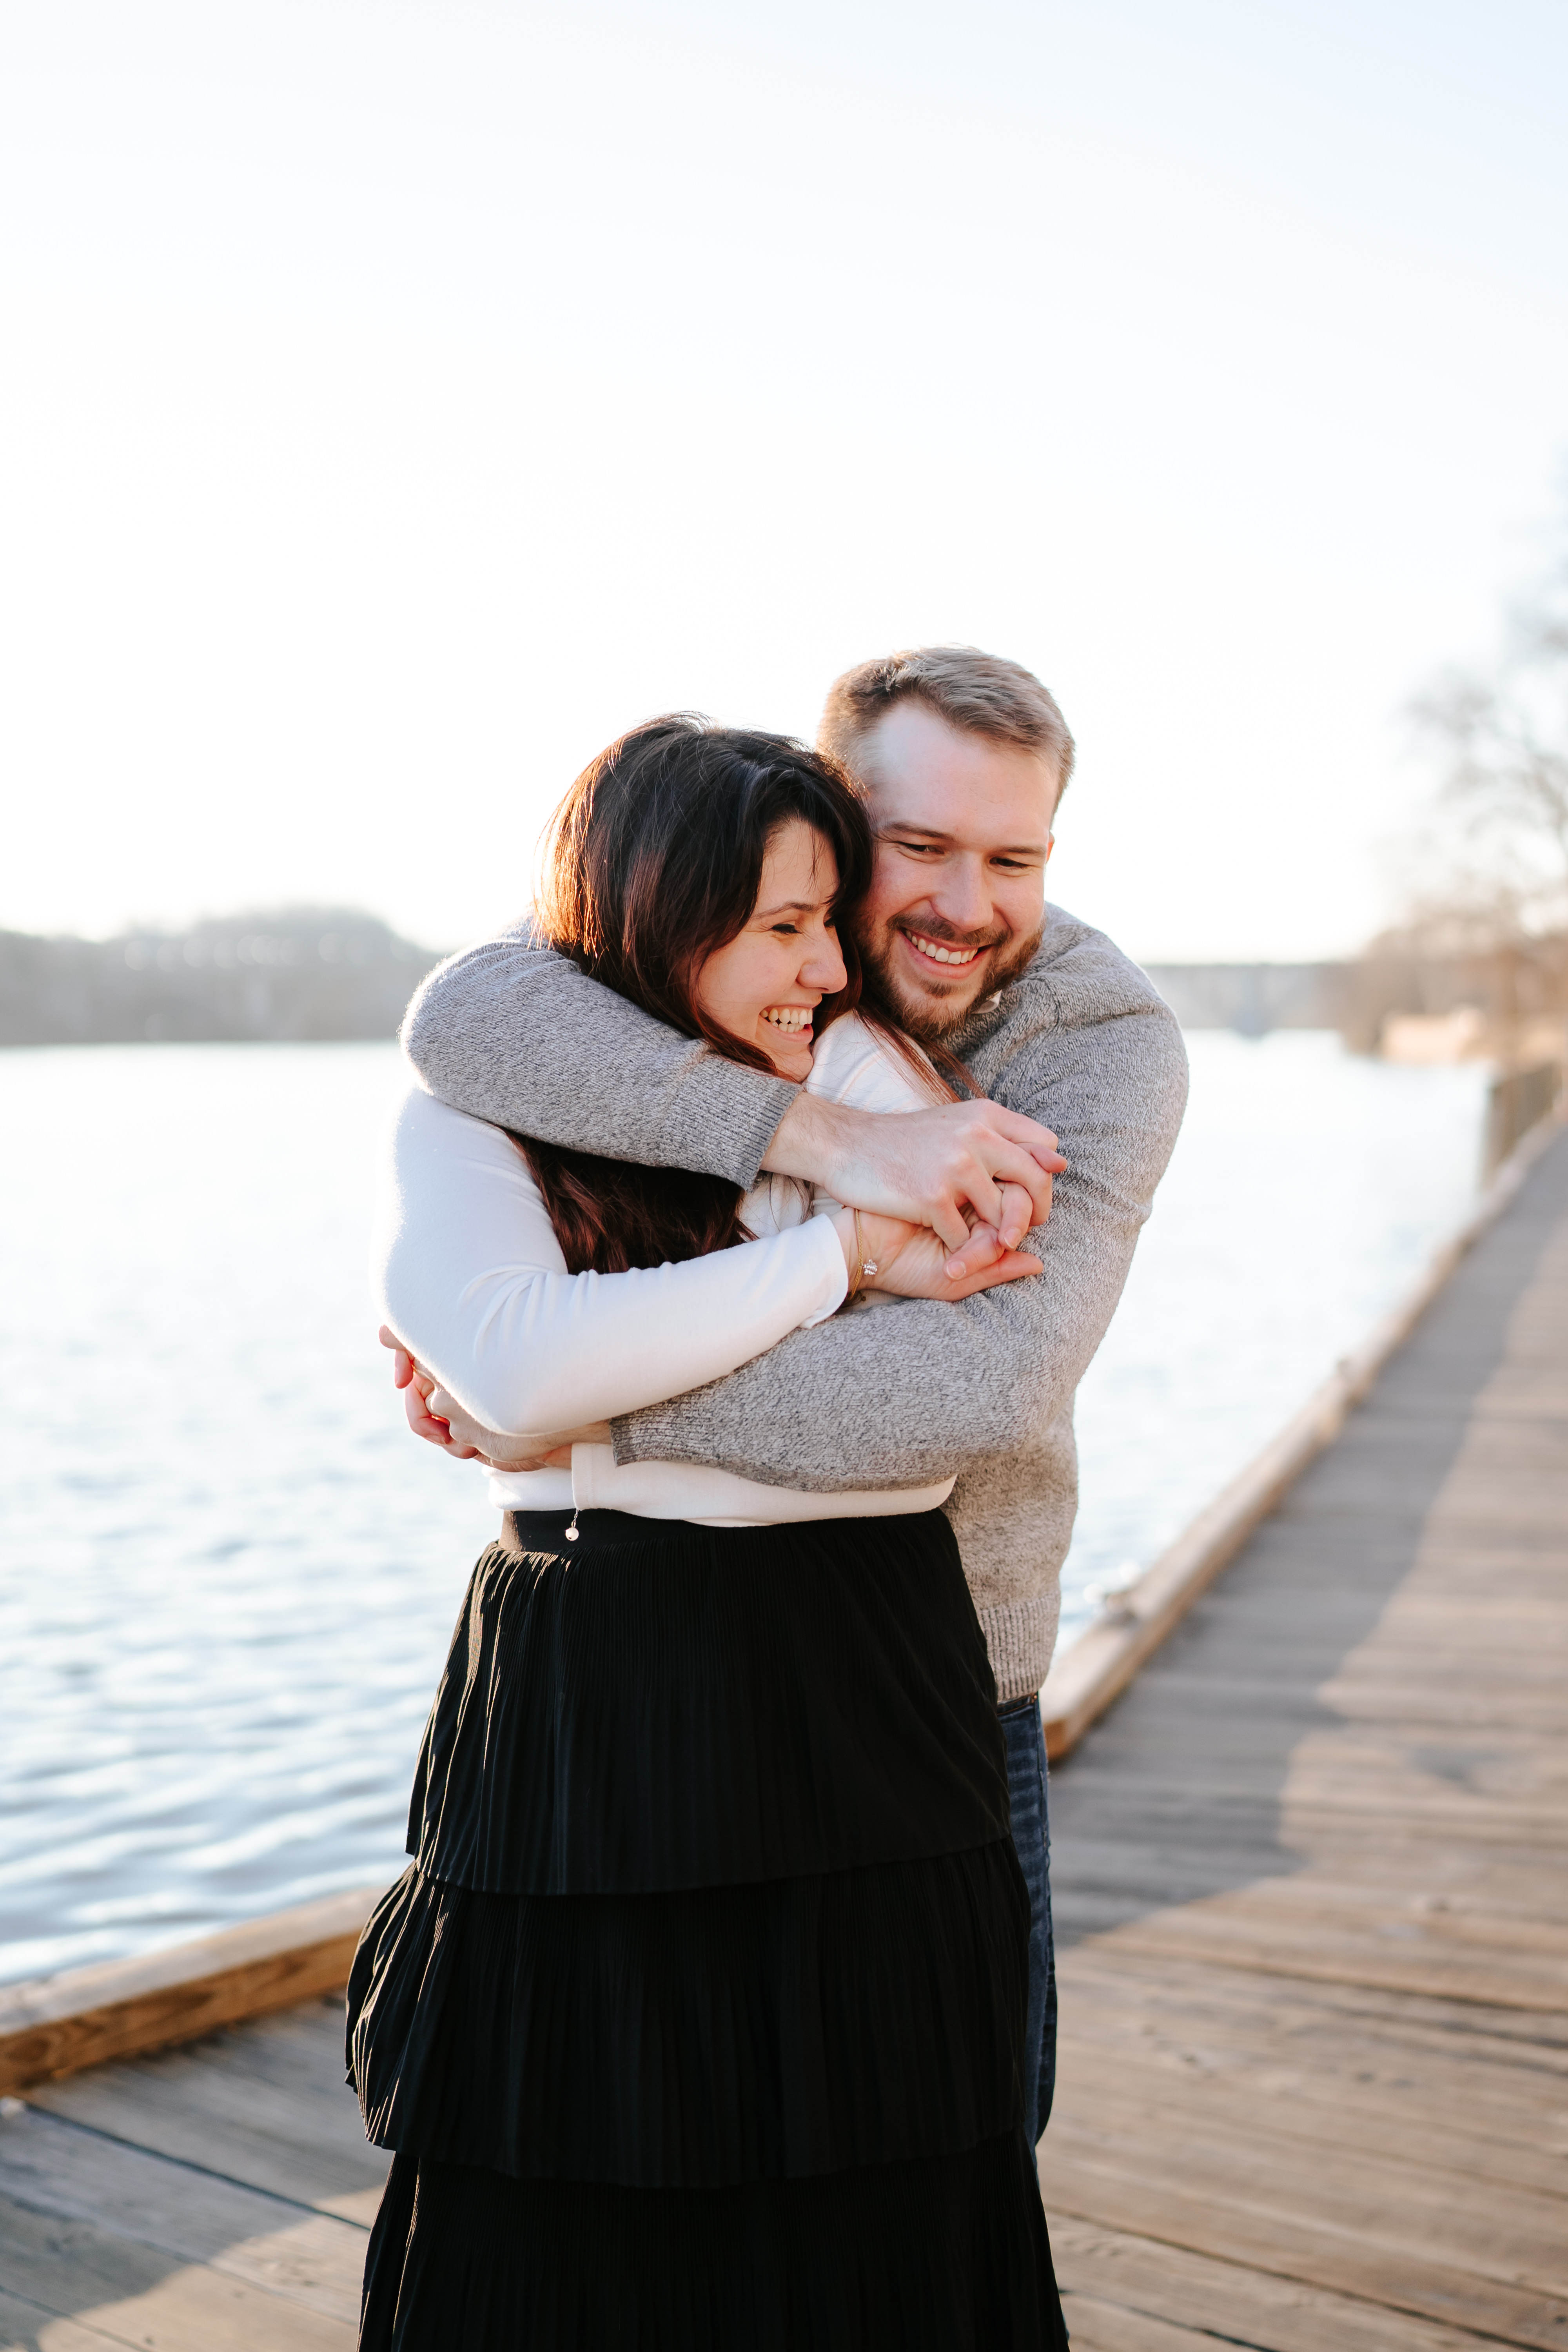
(977, 692)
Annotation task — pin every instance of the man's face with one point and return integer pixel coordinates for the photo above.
(963, 836)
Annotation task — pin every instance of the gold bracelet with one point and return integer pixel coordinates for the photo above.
(866, 1264)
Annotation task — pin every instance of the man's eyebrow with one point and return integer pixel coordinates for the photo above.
(934, 833)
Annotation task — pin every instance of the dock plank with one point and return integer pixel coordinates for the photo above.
(79, 2271)
(62, 2170)
(265, 2104)
(28, 2327)
(1310, 1886)
(213, 2197)
(1110, 2277)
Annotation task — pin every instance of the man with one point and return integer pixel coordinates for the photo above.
(963, 759)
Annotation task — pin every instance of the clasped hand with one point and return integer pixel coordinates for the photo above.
(946, 1197)
(975, 1175)
(440, 1419)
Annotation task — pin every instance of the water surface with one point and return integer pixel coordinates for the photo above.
(229, 1575)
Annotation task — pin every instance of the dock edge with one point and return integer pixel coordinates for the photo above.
(57, 2025)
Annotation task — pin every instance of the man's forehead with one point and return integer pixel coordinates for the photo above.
(1017, 820)
(943, 781)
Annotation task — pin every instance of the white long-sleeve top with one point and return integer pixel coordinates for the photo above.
(467, 1270)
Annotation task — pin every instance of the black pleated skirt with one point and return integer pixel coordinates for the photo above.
(696, 2020)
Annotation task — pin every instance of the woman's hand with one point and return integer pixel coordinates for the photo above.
(549, 1450)
(409, 1375)
(440, 1420)
(912, 1261)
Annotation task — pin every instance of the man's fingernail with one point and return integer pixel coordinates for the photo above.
(955, 1268)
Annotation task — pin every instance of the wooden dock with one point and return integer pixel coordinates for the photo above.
(1314, 1919)
(214, 2198)
(1309, 1877)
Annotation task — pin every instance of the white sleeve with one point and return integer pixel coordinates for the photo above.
(468, 1273)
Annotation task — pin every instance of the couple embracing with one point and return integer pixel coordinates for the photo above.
(728, 1226)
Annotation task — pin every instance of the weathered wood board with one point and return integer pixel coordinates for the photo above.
(57, 2025)
(1311, 1883)
(215, 2198)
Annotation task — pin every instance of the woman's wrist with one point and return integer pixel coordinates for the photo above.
(843, 1222)
(869, 1244)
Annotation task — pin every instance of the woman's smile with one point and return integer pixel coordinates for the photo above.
(788, 942)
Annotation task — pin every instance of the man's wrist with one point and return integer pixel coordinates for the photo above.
(808, 1141)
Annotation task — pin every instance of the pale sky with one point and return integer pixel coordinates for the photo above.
(401, 399)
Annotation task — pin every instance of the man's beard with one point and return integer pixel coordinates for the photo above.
(933, 1019)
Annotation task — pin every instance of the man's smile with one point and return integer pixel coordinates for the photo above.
(934, 951)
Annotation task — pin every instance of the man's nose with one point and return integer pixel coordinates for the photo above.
(960, 895)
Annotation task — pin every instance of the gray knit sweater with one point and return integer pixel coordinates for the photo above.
(921, 1390)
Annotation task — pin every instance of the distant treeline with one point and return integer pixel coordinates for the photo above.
(330, 971)
(293, 973)
(1508, 984)
(1252, 997)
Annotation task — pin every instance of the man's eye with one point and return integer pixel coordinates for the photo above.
(920, 848)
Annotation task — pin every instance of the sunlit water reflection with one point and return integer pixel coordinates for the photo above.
(229, 1575)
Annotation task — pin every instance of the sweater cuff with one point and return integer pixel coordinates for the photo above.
(1020, 1638)
(728, 1116)
(834, 1273)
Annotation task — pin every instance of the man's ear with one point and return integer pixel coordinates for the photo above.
(1050, 845)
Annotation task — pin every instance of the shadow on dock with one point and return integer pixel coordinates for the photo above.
(215, 2195)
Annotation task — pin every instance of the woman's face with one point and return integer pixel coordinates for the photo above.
(764, 985)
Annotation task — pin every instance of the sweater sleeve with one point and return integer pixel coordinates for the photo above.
(922, 1390)
(513, 1032)
(468, 1273)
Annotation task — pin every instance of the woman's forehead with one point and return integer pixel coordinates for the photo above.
(798, 867)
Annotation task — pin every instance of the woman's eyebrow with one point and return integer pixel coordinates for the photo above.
(792, 907)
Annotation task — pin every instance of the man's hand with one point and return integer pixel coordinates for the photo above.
(928, 1167)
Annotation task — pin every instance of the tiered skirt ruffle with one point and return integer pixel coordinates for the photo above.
(697, 2021)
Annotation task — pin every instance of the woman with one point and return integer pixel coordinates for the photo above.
(696, 2020)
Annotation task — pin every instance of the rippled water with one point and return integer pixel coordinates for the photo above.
(228, 1575)
(1308, 1191)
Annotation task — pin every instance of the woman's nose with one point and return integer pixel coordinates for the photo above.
(824, 967)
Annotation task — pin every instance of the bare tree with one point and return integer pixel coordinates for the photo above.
(1501, 818)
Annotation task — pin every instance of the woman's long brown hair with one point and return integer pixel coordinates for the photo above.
(654, 860)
